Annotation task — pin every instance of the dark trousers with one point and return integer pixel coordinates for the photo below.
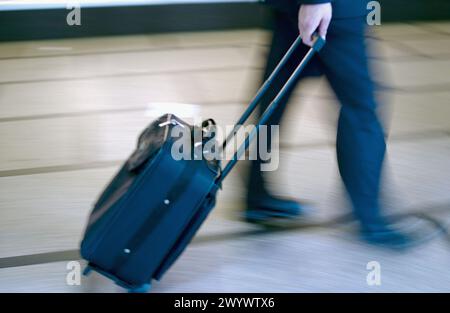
(360, 137)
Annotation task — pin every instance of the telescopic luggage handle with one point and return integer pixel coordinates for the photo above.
(319, 42)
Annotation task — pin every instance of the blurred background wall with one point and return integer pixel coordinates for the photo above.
(26, 20)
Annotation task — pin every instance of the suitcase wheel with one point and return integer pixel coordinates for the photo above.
(140, 289)
(143, 288)
(87, 270)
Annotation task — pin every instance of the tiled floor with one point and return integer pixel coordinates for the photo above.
(70, 112)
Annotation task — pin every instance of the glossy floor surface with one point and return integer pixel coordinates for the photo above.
(70, 112)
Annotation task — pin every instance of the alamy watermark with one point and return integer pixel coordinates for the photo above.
(200, 144)
(73, 276)
(374, 276)
(73, 18)
(374, 15)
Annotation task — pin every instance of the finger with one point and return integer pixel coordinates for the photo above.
(307, 36)
(306, 31)
(323, 27)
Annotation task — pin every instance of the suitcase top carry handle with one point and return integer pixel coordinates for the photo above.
(319, 42)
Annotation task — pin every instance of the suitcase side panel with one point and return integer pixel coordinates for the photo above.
(102, 216)
(143, 197)
(141, 265)
(188, 233)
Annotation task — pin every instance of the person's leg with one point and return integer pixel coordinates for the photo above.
(360, 137)
(258, 198)
(283, 37)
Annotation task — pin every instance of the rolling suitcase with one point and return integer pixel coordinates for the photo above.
(155, 204)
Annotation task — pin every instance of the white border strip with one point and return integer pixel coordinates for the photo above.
(15, 5)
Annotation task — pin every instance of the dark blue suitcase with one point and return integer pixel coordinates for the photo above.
(155, 204)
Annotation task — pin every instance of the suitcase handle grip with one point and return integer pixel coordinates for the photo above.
(319, 42)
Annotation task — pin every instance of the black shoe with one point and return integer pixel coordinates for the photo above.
(269, 208)
(385, 236)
